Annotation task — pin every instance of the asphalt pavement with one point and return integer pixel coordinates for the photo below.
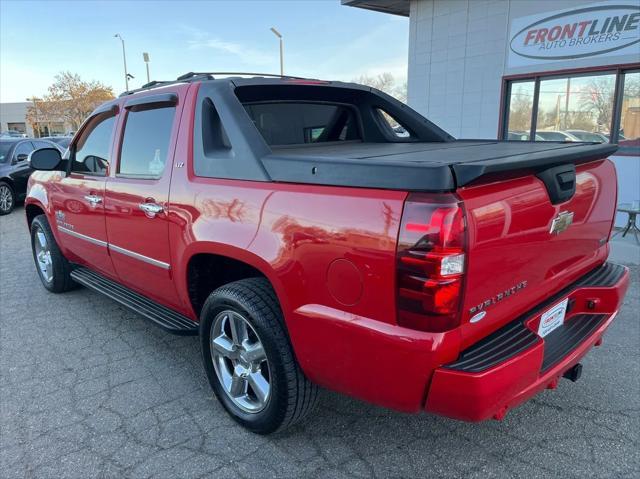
(89, 389)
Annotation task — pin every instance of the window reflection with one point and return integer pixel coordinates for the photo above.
(520, 109)
(576, 108)
(629, 135)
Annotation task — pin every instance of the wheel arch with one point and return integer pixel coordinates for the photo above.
(32, 210)
(9, 181)
(208, 266)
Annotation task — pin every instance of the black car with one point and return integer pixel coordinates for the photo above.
(15, 169)
(61, 141)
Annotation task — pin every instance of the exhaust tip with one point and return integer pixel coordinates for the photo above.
(574, 373)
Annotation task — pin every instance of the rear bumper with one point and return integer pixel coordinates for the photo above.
(514, 363)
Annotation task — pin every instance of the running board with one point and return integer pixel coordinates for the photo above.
(161, 316)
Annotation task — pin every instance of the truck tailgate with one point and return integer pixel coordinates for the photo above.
(514, 259)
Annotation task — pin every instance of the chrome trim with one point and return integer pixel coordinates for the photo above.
(151, 209)
(83, 237)
(93, 200)
(146, 259)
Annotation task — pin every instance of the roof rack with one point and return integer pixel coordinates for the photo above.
(211, 75)
(148, 86)
(198, 76)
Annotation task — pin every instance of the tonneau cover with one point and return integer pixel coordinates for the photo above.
(420, 166)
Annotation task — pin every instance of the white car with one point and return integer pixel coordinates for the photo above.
(556, 136)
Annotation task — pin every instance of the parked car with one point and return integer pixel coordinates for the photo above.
(15, 170)
(12, 134)
(521, 136)
(61, 141)
(548, 135)
(458, 277)
(583, 135)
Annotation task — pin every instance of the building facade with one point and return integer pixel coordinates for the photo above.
(13, 118)
(563, 70)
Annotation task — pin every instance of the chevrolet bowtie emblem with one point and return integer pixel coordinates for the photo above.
(561, 222)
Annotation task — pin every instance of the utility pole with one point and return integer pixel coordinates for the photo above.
(145, 57)
(124, 59)
(279, 35)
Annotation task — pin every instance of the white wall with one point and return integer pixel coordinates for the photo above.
(456, 58)
(14, 113)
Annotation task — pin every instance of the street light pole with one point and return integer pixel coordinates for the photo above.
(145, 57)
(124, 59)
(279, 35)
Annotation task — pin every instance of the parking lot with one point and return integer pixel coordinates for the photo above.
(88, 389)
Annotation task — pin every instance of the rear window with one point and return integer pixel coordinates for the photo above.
(297, 123)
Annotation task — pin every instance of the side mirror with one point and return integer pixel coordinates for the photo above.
(21, 157)
(46, 159)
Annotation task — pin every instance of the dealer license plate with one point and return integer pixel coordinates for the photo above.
(552, 318)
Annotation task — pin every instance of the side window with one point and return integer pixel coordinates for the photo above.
(22, 149)
(42, 144)
(91, 155)
(394, 125)
(145, 145)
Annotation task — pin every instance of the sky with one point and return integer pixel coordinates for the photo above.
(322, 39)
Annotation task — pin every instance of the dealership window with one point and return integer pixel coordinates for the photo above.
(575, 108)
(630, 111)
(595, 107)
(520, 110)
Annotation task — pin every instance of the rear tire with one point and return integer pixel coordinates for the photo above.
(252, 304)
(53, 268)
(7, 198)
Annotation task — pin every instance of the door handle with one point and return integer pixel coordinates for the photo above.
(93, 200)
(151, 209)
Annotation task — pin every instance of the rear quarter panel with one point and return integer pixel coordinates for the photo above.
(330, 255)
(318, 245)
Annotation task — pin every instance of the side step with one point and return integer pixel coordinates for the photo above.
(160, 315)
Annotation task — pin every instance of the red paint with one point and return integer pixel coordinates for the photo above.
(343, 319)
(479, 396)
(507, 236)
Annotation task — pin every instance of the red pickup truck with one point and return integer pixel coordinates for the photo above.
(318, 233)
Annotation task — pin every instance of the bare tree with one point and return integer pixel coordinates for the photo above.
(385, 82)
(41, 113)
(520, 111)
(597, 97)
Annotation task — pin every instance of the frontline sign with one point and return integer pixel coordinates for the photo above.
(597, 30)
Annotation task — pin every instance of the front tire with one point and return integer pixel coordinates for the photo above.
(7, 198)
(53, 268)
(249, 360)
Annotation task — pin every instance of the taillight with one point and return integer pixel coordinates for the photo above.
(430, 262)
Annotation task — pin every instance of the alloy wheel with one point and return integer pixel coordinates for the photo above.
(240, 361)
(6, 198)
(43, 255)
